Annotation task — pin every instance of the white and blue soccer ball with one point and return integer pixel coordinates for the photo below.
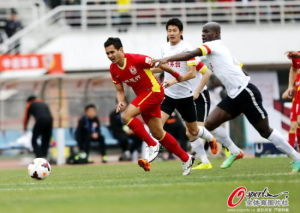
(39, 168)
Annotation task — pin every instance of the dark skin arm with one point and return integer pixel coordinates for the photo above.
(184, 56)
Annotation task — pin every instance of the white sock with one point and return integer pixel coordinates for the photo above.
(223, 138)
(278, 140)
(204, 133)
(198, 147)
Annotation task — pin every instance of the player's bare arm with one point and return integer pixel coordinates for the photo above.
(181, 56)
(168, 69)
(203, 82)
(288, 93)
(120, 95)
(156, 70)
(187, 76)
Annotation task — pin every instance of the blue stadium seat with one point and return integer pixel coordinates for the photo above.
(69, 139)
(109, 139)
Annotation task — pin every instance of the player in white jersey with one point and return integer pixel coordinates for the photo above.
(179, 95)
(202, 103)
(242, 96)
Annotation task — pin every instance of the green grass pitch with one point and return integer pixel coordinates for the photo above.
(126, 188)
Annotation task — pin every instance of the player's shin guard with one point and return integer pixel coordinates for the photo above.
(204, 133)
(198, 147)
(292, 138)
(138, 128)
(170, 143)
(223, 138)
(278, 140)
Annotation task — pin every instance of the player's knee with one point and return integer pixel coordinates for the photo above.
(265, 133)
(188, 134)
(209, 125)
(125, 117)
(192, 132)
(157, 134)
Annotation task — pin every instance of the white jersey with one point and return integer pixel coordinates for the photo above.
(182, 89)
(201, 69)
(225, 67)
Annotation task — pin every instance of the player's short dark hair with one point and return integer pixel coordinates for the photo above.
(115, 41)
(31, 98)
(89, 106)
(176, 22)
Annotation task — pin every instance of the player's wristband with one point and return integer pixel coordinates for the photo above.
(175, 75)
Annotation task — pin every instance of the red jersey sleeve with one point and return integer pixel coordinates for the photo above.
(144, 61)
(296, 63)
(114, 78)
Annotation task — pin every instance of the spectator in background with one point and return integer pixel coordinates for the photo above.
(124, 135)
(72, 2)
(175, 127)
(88, 130)
(43, 125)
(124, 15)
(12, 26)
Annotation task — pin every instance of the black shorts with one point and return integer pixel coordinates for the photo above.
(249, 102)
(202, 106)
(185, 106)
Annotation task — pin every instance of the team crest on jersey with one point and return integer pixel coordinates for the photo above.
(148, 60)
(133, 70)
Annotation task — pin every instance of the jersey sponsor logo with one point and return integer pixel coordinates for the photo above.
(133, 80)
(133, 70)
(174, 64)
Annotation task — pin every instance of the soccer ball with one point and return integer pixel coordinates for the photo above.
(39, 168)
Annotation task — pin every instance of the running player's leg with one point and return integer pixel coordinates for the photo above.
(151, 113)
(167, 108)
(258, 117)
(262, 126)
(202, 109)
(226, 110)
(170, 143)
(129, 117)
(187, 109)
(292, 133)
(298, 126)
(293, 125)
(218, 116)
(166, 139)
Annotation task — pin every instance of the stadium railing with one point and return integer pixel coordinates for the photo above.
(89, 16)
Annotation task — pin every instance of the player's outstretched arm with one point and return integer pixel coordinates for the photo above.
(288, 93)
(184, 56)
(187, 76)
(171, 71)
(121, 98)
(202, 83)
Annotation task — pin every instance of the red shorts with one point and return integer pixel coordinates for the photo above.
(149, 104)
(295, 110)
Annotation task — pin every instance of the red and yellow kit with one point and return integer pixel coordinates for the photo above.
(201, 67)
(295, 110)
(136, 73)
(296, 62)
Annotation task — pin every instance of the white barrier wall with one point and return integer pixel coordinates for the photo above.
(251, 44)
